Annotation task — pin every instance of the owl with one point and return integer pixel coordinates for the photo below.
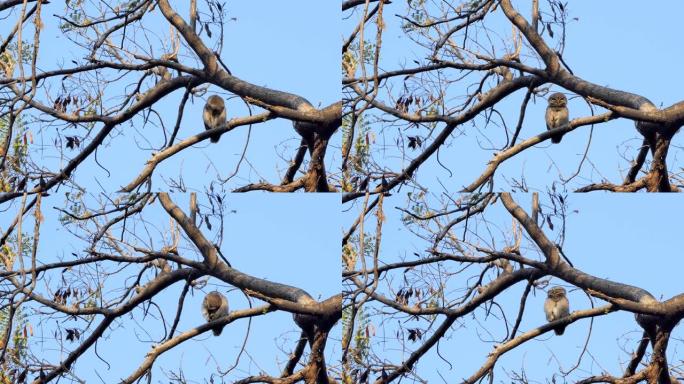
(556, 306)
(557, 114)
(214, 306)
(214, 115)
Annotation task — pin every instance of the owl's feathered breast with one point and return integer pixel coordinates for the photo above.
(215, 111)
(556, 116)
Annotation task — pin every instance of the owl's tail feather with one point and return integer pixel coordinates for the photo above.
(559, 330)
(215, 138)
(217, 330)
(556, 138)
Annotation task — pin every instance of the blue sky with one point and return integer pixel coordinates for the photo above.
(267, 238)
(625, 238)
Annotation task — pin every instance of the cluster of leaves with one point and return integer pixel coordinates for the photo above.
(15, 353)
(358, 161)
(13, 175)
(358, 353)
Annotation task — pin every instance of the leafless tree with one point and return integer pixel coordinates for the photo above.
(135, 59)
(139, 265)
(456, 85)
(474, 286)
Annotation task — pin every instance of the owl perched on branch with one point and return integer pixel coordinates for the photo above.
(214, 115)
(557, 115)
(215, 305)
(556, 306)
